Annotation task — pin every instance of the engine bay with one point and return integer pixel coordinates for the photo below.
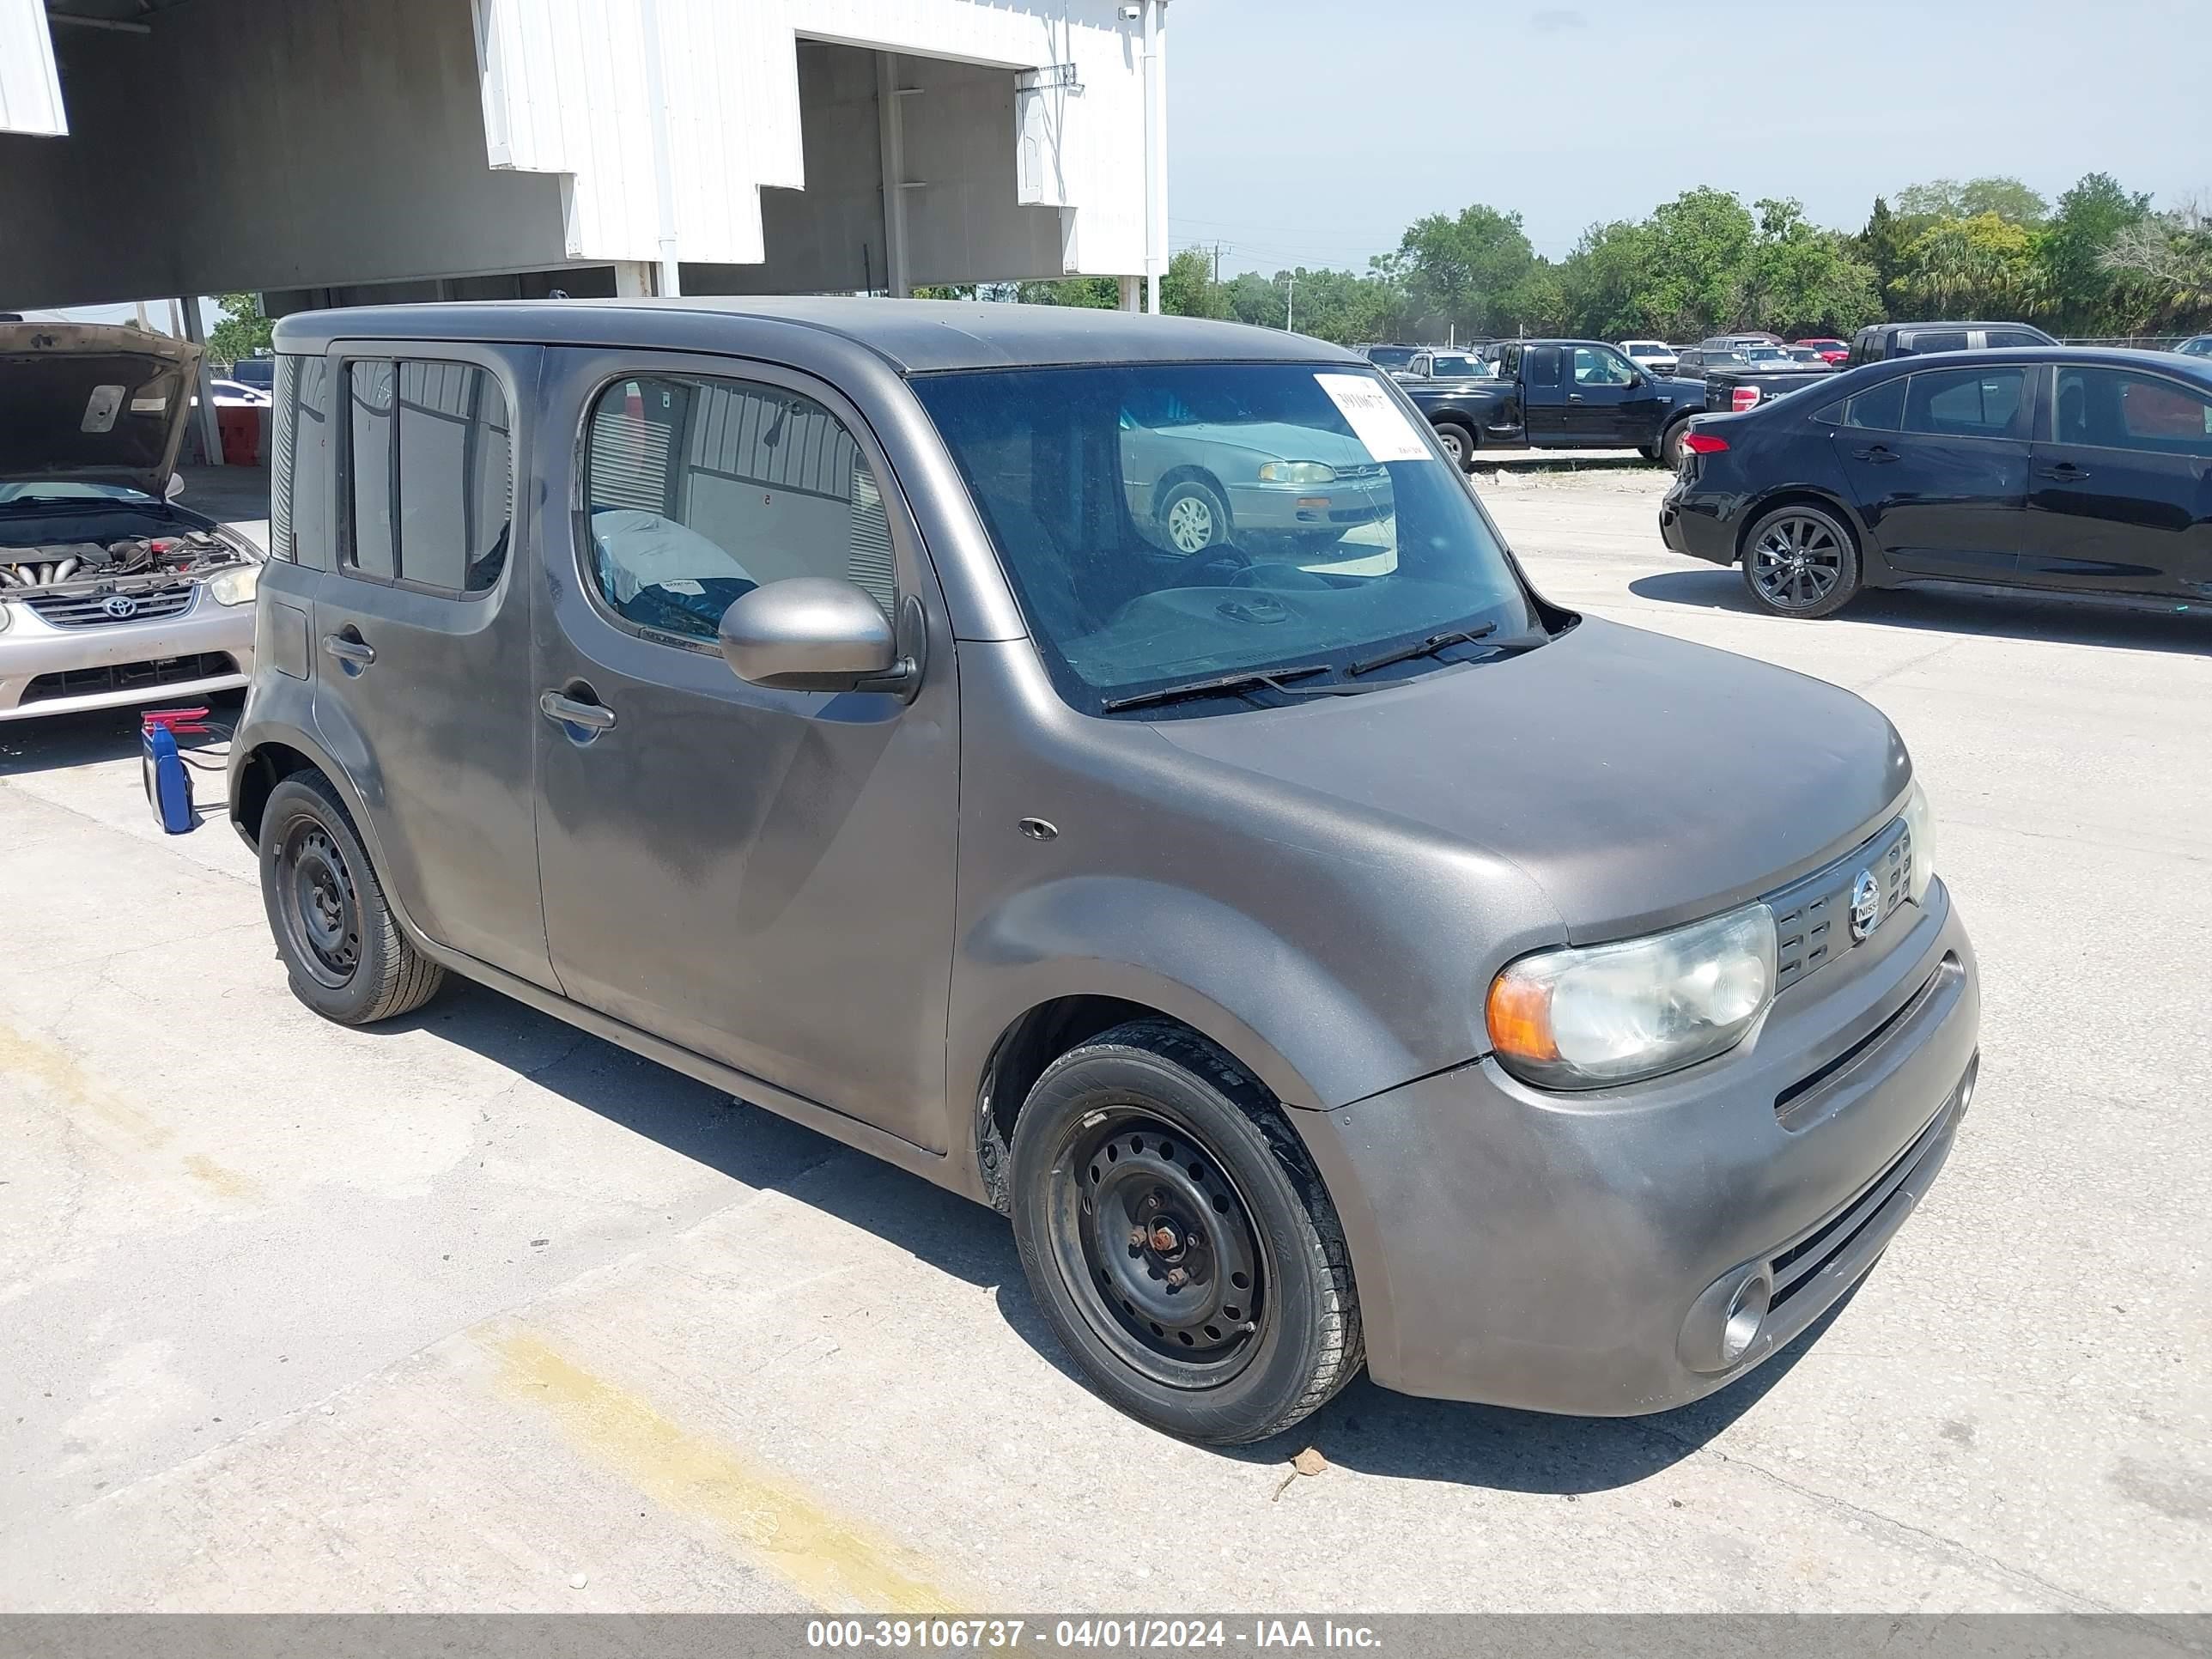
(128, 564)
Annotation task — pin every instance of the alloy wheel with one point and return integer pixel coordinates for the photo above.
(1797, 563)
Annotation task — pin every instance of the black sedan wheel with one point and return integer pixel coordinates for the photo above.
(340, 942)
(1178, 1240)
(1800, 561)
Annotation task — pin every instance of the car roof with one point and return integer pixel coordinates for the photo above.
(915, 335)
(2198, 370)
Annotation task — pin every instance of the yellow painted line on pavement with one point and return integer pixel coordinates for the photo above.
(838, 1564)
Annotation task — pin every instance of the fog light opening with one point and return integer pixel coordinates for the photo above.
(1746, 1313)
(1966, 1082)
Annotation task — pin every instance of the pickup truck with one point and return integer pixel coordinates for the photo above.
(1560, 394)
(1733, 389)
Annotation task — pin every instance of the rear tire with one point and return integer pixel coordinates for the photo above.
(339, 941)
(1670, 445)
(1459, 442)
(1178, 1239)
(1801, 560)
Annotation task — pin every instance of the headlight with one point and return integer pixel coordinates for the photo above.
(1920, 829)
(1613, 1013)
(1296, 472)
(236, 587)
(7, 615)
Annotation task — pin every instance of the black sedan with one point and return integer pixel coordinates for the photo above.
(2059, 470)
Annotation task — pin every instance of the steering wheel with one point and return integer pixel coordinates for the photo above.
(1219, 553)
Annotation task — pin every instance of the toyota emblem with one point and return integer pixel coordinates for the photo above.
(1866, 905)
(121, 606)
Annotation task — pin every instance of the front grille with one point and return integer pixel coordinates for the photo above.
(1798, 1266)
(130, 677)
(1813, 916)
(1364, 470)
(92, 609)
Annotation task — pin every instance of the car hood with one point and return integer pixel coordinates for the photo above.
(92, 404)
(1639, 781)
(1283, 440)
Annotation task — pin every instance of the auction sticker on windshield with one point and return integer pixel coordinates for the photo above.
(1376, 421)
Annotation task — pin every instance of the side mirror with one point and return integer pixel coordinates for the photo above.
(815, 634)
(174, 488)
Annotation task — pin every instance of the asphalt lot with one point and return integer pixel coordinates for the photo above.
(476, 1312)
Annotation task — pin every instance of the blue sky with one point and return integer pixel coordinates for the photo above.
(1302, 131)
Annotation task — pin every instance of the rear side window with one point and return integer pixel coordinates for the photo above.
(1964, 403)
(2114, 409)
(1878, 409)
(300, 459)
(701, 490)
(2014, 337)
(429, 474)
(1933, 339)
(1541, 365)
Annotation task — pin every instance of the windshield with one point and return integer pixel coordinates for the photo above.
(1391, 357)
(1761, 354)
(1446, 365)
(62, 490)
(1167, 523)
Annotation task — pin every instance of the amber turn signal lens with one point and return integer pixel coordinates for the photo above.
(1520, 1015)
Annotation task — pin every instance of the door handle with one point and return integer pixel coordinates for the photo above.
(1574, 397)
(1875, 453)
(350, 649)
(593, 717)
(2064, 473)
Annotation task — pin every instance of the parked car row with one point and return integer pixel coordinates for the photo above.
(2061, 469)
(1560, 394)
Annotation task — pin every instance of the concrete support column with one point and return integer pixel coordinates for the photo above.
(210, 430)
(634, 278)
(891, 128)
(1132, 293)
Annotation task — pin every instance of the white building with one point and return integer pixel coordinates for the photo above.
(337, 151)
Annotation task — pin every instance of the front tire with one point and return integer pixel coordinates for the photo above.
(1670, 445)
(1194, 517)
(1178, 1239)
(1801, 560)
(1459, 442)
(340, 943)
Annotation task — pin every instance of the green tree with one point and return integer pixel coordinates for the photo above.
(2085, 296)
(1096, 293)
(1464, 273)
(243, 329)
(1600, 285)
(1188, 289)
(1699, 248)
(1984, 266)
(1947, 199)
(1800, 279)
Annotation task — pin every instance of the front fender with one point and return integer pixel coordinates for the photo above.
(1303, 1032)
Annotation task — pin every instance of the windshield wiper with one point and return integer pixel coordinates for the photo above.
(1427, 648)
(1243, 680)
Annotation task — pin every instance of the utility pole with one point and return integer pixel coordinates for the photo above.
(1155, 147)
(1291, 308)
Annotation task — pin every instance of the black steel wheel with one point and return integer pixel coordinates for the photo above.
(1800, 560)
(1141, 1209)
(1178, 1239)
(321, 908)
(340, 942)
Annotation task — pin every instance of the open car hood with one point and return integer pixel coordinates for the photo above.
(92, 403)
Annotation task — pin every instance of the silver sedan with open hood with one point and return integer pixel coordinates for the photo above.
(111, 594)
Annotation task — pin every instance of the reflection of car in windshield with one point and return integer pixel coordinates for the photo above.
(1221, 472)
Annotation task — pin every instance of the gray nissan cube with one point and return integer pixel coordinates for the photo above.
(1326, 950)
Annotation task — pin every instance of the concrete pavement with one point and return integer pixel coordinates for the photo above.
(476, 1312)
